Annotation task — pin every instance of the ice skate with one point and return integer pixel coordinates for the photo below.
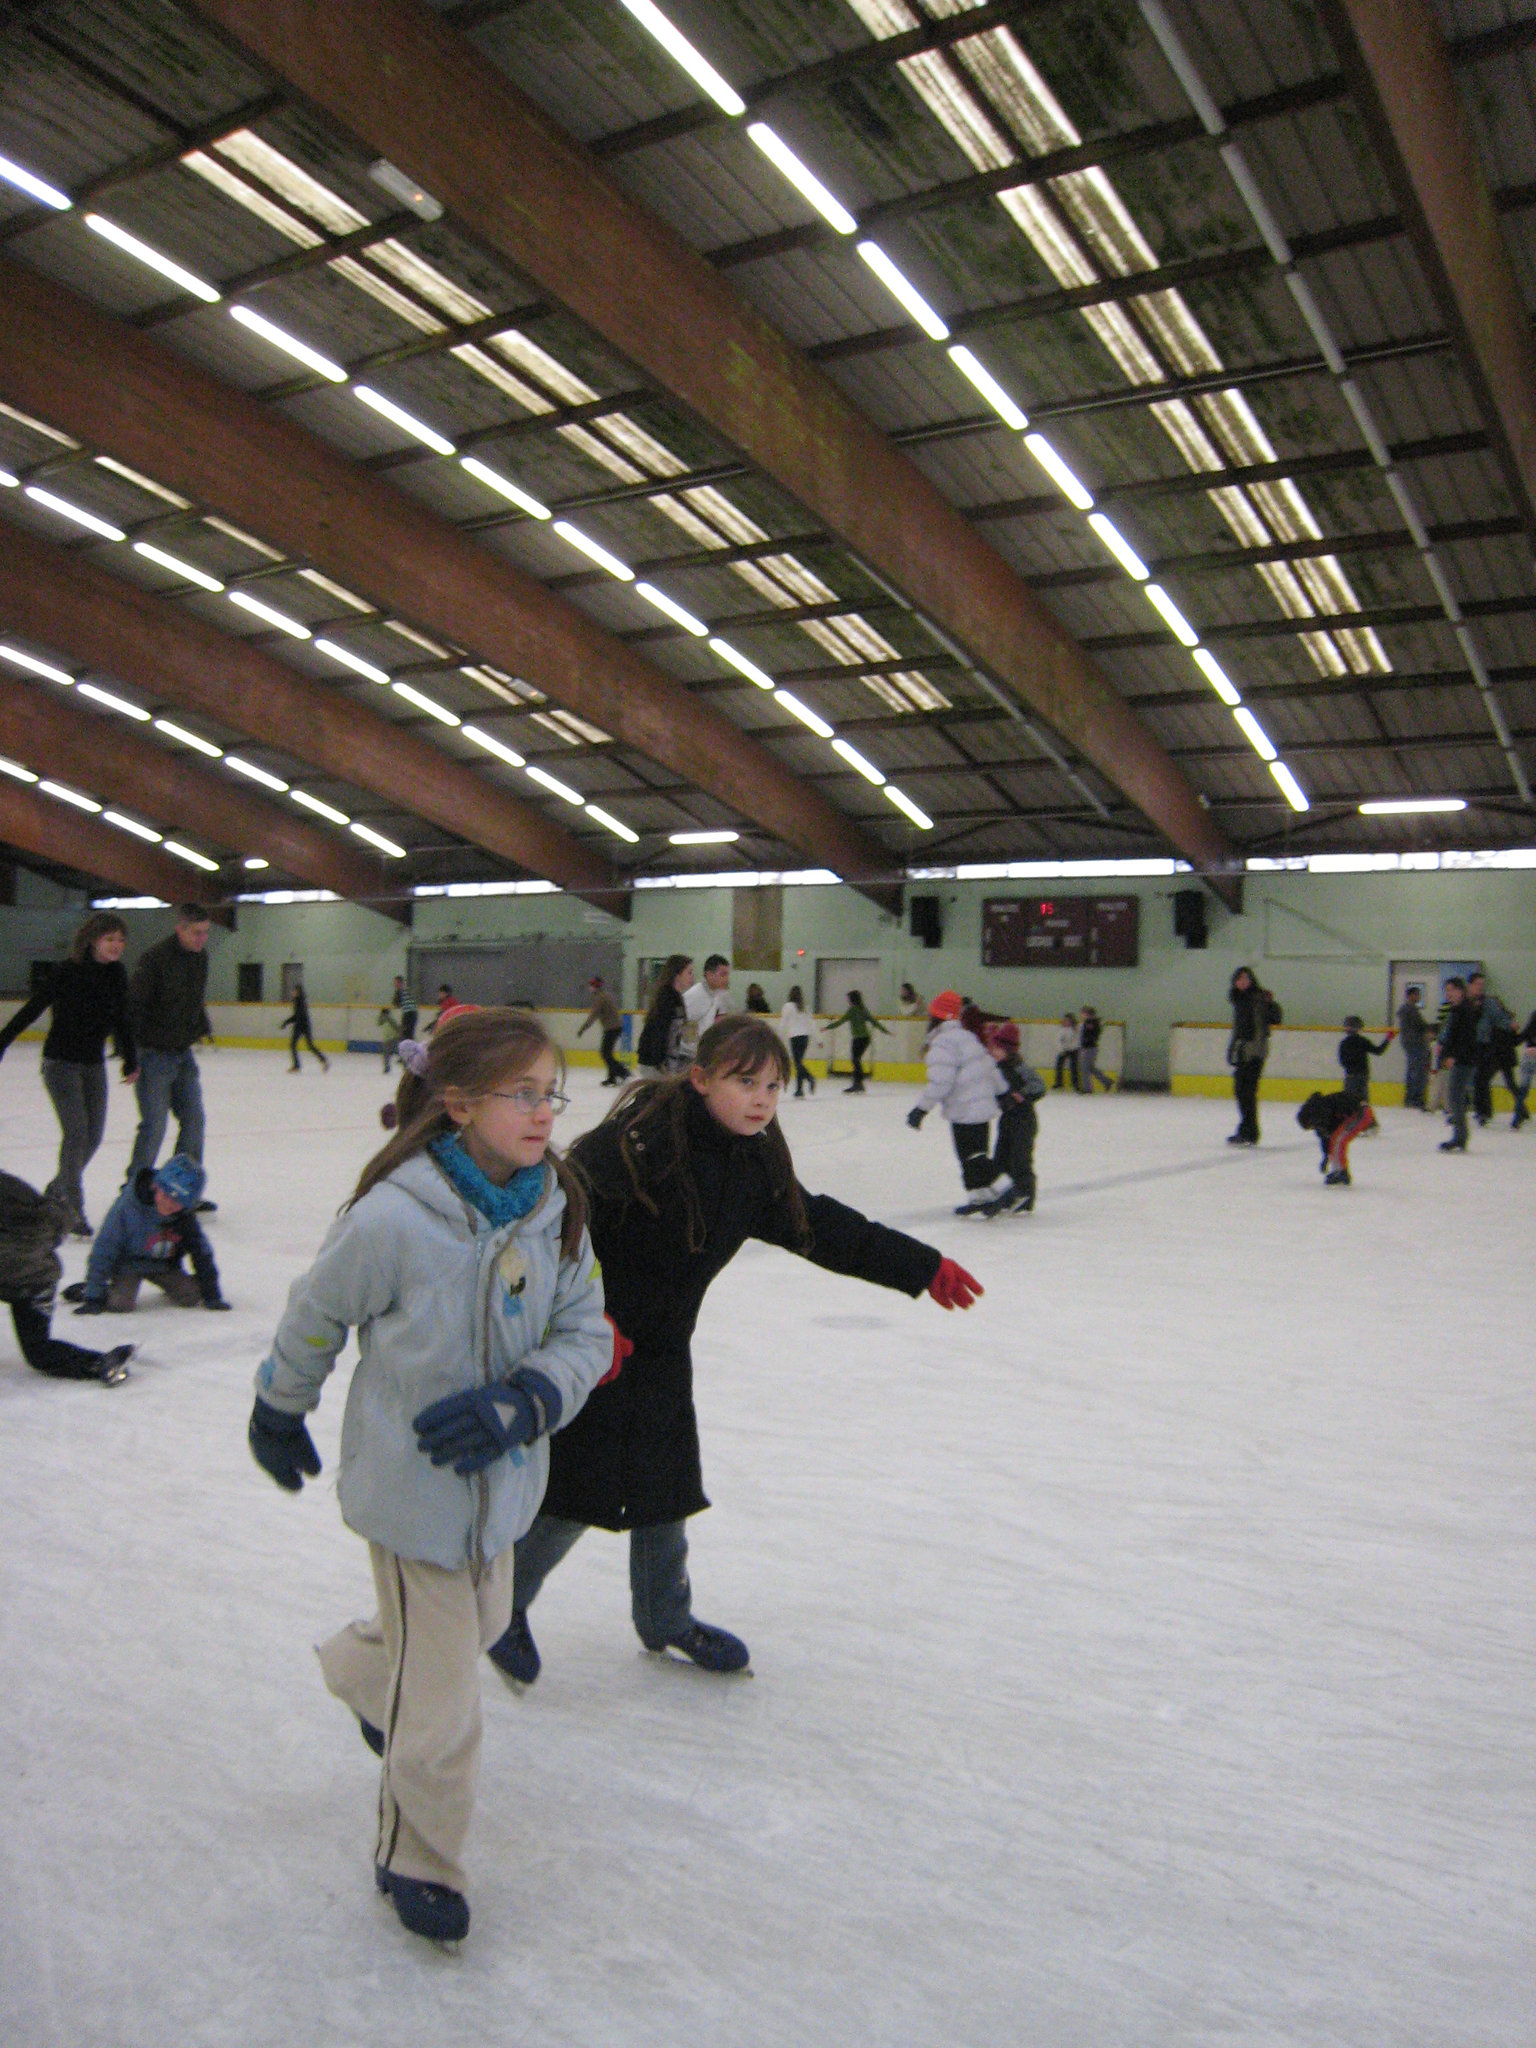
(1339, 1178)
(712, 1649)
(435, 1911)
(975, 1203)
(113, 1369)
(515, 1654)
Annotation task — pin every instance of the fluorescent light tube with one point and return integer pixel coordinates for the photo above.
(1119, 546)
(683, 54)
(35, 667)
(802, 177)
(69, 796)
(724, 837)
(407, 422)
(143, 253)
(255, 774)
(1170, 615)
(1295, 795)
(494, 746)
(177, 566)
(132, 825)
(591, 549)
(377, 839)
(903, 291)
(35, 188)
(1406, 806)
(189, 739)
(188, 853)
(391, 179)
(257, 609)
(504, 487)
(804, 713)
(254, 862)
(905, 804)
(1216, 676)
(857, 761)
(572, 796)
(350, 660)
(9, 482)
(740, 662)
(15, 770)
(1258, 738)
(675, 612)
(1065, 481)
(990, 389)
(613, 824)
(290, 345)
(427, 704)
(112, 703)
(313, 803)
(81, 518)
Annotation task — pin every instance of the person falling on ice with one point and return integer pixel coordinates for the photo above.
(146, 1234)
(464, 1264)
(1338, 1120)
(681, 1173)
(964, 1083)
(31, 1226)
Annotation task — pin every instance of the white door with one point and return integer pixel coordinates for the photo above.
(836, 979)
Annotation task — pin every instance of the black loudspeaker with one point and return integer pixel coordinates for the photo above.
(927, 921)
(1189, 918)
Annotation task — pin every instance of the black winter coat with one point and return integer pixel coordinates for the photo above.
(631, 1457)
(89, 1000)
(165, 997)
(656, 1032)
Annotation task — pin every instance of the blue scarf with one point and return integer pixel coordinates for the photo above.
(498, 1205)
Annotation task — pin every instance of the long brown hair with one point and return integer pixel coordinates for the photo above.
(96, 926)
(671, 968)
(653, 1141)
(473, 1052)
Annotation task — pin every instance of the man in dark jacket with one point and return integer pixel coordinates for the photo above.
(1458, 1051)
(1413, 1030)
(165, 1001)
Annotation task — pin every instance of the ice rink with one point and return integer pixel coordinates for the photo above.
(1143, 1658)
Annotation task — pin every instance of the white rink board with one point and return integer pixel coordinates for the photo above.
(1144, 1658)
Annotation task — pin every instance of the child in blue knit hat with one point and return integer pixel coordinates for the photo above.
(146, 1234)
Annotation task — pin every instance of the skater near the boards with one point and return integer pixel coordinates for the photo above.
(964, 1084)
(680, 1174)
(464, 1264)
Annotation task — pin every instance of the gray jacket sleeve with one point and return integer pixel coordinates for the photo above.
(354, 1279)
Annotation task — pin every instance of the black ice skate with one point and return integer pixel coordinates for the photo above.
(515, 1654)
(113, 1369)
(712, 1649)
(435, 1911)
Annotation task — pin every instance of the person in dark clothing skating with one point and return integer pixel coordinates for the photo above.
(1254, 1014)
(88, 994)
(1456, 1049)
(679, 1175)
(297, 1026)
(604, 1013)
(1355, 1055)
(165, 1001)
(31, 1226)
(1014, 1159)
(145, 1235)
(1418, 1041)
(1337, 1120)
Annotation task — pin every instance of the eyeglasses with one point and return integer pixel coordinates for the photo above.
(529, 1099)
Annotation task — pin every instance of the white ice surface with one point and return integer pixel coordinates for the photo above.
(1142, 1658)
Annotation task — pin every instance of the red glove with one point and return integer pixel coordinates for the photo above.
(953, 1287)
(622, 1347)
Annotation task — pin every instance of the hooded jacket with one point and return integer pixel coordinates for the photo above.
(963, 1080)
(442, 1300)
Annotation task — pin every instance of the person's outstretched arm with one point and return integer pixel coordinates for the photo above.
(29, 1013)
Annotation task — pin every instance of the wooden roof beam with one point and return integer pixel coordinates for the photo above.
(40, 826)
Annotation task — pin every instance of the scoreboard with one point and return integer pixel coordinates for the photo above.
(1060, 931)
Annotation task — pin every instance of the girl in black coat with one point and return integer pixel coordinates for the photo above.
(679, 1175)
(88, 995)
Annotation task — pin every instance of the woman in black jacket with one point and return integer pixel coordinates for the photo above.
(679, 1175)
(1254, 1012)
(88, 995)
(661, 1035)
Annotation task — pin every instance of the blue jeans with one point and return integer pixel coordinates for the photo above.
(1416, 1078)
(168, 1081)
(659, 1592)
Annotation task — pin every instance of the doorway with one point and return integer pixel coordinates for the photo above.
(248, 977)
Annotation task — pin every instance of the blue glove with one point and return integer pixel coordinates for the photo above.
(282, 1446)
(473, 1429)
(915, 1118)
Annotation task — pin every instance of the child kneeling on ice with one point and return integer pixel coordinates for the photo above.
(145, 1235)
(464, 1264)
(31, 1227)
(681, 1172)
(1338, 1120)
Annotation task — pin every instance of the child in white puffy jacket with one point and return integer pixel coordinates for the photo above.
(963, 1083)
(464, 1264)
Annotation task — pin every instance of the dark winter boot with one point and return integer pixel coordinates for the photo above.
(516, 1655)
(435, 1911)
(712, 1649)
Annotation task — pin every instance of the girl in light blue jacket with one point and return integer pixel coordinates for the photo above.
(464, 1264)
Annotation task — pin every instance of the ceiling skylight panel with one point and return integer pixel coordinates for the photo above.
(144, 483)
(599, 452)
(1323, 655)
(290, 181)
(1232, 503)
(688, 520)
(765, 585)
(935, 83)
(256, 202)
(625, 433)
(1364, 652)
(1100, 216)
(861, 636)
(1280, 579)
(733, 522)
(1123, 341)
(1235, 420)
(246, 540)
(515, 388)
(1053, 243)
(1179, 423)
(428, 282)
(911, 691)
(826, 635)
(540, 364)
(337, 590)
(385, 293)
(805, 584)
(25, 419)
(1005, 74)
(1286, 510)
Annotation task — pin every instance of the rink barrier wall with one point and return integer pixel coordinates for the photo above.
(1302, 1059)
(354, 1028)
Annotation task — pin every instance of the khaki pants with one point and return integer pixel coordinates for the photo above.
(413, 1671)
